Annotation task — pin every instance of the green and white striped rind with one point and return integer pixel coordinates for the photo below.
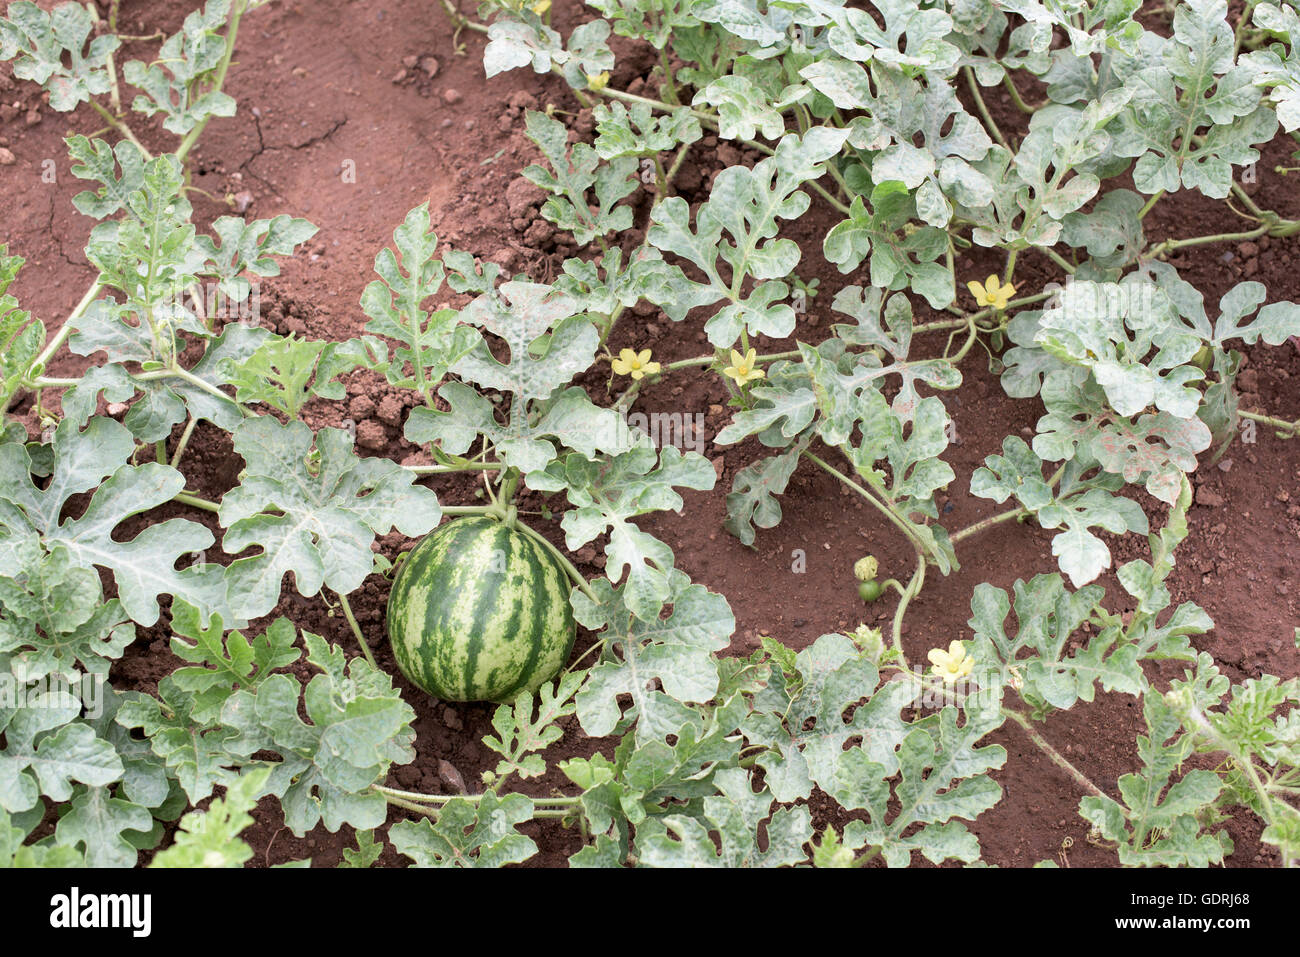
(479, 612)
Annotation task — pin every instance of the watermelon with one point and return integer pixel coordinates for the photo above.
(479, 612)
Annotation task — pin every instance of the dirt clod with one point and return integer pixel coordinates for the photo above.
(390, 410)
(371, 435)
(522, 197)
(1208, 497)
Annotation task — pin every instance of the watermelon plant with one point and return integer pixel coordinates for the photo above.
(875, 112)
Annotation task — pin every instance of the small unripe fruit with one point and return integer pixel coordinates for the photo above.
(870, 591)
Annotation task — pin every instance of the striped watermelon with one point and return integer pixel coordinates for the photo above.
(479, 612)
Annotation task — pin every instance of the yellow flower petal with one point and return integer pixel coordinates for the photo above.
(952, 664)
(742, 367)
(976, 290)
(625, 363)
(651, 368)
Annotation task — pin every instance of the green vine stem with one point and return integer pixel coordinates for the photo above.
(458, 467)
(65, 330)
(914, 586)
(1057, 258)
(184, 442)
(410, 805)
(178, 372)
(1150, 204)
(1027, 726)
(985, 313)
(880, 506)
(1242, 195)
(670, 86)
(509, 486)
(431, 804)
(983, 109)
(46, 382)
(1285, 429)
(596, 646)
(971, 334)
(460, 21)
(710, 360)
(237, 9)
(356, 630)
(1277, 225)
(194, 501)
(1016, 98)
(115, 90)
(941, 325)
(1238, 34)
(562, 558)
(417, 797)
(469, 510)
(433, 812)
(1008, 516)
(1010, 271)
(1056, 757)
(1060, 760)
(1170, 245)
(122, 127)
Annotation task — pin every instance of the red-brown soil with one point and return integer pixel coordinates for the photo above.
(323, 89)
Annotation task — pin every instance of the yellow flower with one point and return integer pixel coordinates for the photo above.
(992, 293)
(635, 364)
(597, 81)
(541, 7)
(951, 664)
(742, 367)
